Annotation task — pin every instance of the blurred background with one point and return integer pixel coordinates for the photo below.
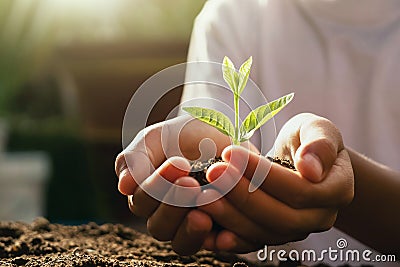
(68, 69)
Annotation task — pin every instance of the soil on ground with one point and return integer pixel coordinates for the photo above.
(44, 244)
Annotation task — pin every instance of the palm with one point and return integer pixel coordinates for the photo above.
(197, 140)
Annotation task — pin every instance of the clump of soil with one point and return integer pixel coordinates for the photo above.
(44, 244)
(199, 168)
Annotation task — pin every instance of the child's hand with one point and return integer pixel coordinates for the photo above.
(289, 205)
(145, 162)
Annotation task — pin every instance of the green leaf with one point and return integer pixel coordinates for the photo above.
(261, 115)
(214, 118)
(244, 73)
(230, 75)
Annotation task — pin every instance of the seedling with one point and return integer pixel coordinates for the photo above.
(237, 81)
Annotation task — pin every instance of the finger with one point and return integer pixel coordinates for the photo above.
(230, 242)
(152, 191)
(226, 215)
(139, 167)
(320, 143)
(339, 183)
(141, 157)
(250, 146)
(165, 221)
(275, 214)
(192, 233)
(209, 241)
(126, 184)
(290, 186)
(313, 143)
(150, 148)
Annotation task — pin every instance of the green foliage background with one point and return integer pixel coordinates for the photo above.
(32, 32)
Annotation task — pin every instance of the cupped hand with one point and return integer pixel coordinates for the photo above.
(289, 205)
(181, 136)
(159, 153)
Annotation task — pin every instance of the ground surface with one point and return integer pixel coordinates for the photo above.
(45, 244)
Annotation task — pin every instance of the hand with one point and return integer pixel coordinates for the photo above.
(288, 205)
(145, 162)
(153, 145)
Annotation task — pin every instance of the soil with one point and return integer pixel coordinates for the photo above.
(199, 168)
(284, 162)
(44, 244)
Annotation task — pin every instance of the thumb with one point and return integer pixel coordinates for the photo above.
(320, 142)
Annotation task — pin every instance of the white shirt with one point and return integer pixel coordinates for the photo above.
(340, 57)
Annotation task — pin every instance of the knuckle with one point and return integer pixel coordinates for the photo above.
(333, 136)
(329, 146)
(326, 145)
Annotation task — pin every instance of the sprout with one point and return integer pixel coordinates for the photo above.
(237, 81)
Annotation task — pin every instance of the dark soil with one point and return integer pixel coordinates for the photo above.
(44, 244)
(199, 168)
(284, 162)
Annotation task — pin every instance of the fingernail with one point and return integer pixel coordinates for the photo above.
(316, 164)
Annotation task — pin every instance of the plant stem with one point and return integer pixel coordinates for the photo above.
(236, 104)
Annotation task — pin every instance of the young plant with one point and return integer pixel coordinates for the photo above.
(237, 81)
